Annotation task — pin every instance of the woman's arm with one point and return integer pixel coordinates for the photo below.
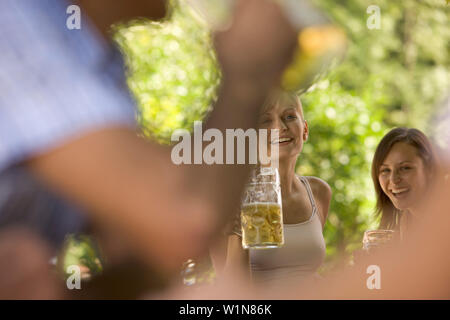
(238, 259)
(218, 254)
(228, 257)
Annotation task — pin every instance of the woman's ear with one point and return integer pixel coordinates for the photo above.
(305, 130)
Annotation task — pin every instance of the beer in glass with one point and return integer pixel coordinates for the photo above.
(261, 212)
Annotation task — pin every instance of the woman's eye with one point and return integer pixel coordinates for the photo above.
(384, 171)
(405, 168)
(290, 117)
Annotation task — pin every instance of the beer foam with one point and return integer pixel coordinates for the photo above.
(262, 203)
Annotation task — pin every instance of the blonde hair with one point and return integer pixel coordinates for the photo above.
(278, 96)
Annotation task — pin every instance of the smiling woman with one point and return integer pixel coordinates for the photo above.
(403, 168)
(305, 204)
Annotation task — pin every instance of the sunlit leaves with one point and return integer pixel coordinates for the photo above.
(173, 71)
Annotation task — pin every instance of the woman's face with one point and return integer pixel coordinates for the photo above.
(402, 176)
(285, 114)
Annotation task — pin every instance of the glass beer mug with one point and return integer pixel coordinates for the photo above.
(377, 238)
(188, 273)
(261, 212)
(319, 42)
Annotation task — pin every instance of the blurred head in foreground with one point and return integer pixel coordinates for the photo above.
(403, 168)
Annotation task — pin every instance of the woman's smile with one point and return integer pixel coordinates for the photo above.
(399, 194)
(282, 141)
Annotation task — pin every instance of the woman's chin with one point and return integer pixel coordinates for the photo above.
(402, 206)
(285, 154)
(288, 153)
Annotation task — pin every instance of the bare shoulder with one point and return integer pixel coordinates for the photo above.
(319, 187)
(322, 194)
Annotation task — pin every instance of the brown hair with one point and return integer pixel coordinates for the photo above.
(417, 139)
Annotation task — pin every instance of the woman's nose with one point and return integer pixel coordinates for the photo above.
(395, 177)
(279, 124)
(275, 124)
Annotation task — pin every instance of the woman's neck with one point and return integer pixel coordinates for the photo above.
(287, 175)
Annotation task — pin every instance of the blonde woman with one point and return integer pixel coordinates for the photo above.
(305, 203)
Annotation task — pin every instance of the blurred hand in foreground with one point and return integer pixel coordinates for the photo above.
(258, 45)
(25, 269)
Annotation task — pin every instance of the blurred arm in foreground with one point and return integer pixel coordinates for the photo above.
(74, 127)
(24, 266)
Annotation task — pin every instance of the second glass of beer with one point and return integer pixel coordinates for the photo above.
(261, 211)
(377, 238)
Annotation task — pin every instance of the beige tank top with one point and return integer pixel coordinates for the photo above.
(300, 257)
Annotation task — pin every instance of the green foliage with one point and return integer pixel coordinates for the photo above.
(80, 250)
(406, 61)
(392, 76)
(173, 71)
(344, 131)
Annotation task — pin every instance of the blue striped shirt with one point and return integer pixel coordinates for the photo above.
(56, 85)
